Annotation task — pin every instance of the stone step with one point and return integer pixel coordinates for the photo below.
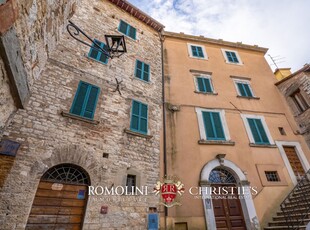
(282, 218)
(303, 227)
(300, 210)
(283, 222)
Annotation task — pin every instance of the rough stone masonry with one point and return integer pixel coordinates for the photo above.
(48, 138)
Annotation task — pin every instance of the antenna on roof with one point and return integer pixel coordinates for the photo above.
(276, 60)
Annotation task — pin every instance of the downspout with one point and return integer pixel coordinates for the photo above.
(164, 117)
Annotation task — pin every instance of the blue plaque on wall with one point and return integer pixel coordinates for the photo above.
(9, 148)
(152, 221)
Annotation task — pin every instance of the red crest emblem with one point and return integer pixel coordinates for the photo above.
(170, 190)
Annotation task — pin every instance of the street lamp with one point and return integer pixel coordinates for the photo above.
(115, 44)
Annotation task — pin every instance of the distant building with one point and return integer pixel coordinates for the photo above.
(295, 88)
(75, 129)
(227, 125)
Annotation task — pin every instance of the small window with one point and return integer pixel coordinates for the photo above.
(213, 126)
(127, 29)
(142, 71)
(258, 131)
(282, 131)
(244, 89)
(85, 100)
(139, 117)
(204, 84)
(231, 56)
(300, 101)
(272, 176)
(131, 183)
(197, 51)
(96, 54)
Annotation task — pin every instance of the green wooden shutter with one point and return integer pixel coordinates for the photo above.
(143, 118)
(234, 57)
(201, 87)
(194, 51)
(241, 89)
(262, 132)
(134, 125)
(208, 85)
(146, 72)
(139, 66)
(248, 90)
(218, 126)
(123, 27)
(208, 125)
(132, 32)
(78, 102)
(91, 102)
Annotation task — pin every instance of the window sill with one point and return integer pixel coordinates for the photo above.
(255, 98)
(263, 145)
(199, 58)
(206, 142)
(233, 63)
(70, 115)
(128, 131)
(139, 79)
(207, 93)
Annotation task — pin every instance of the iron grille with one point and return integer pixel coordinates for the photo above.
(67, 173)
(221, 176)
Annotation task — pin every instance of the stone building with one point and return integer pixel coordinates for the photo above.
(73, 128)
(295, 88)
(227, 125)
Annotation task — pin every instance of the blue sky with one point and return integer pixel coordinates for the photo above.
(280, 25)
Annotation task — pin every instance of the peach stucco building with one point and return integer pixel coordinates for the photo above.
(227, 124)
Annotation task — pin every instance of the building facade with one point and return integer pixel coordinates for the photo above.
(79, 127)
(227, 125)
(295, 88)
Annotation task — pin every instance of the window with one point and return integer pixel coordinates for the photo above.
(282, 131)
(139, 117)
(299, 101)
(142, 71)
(85, 100)
(272, 176)
(197, 51)
(231, 57)
(244, 88)
(257, 130)
(98, 55)
(127, 29)
(204, 84)
(131, 183)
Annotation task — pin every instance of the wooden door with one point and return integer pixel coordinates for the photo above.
(294, 161)
(228, 212)
(58, 206)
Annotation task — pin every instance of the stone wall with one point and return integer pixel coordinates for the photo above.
(47, 138)
(300, 81)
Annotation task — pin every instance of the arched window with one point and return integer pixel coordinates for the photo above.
(67, 173)
(221, 176)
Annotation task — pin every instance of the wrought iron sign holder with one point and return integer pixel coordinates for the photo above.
(115, 45)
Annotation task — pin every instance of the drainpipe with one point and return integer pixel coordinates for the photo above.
(164, 116)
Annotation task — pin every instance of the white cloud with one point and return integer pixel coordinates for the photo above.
(280, 25)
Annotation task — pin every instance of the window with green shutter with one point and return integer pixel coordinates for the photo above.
(97, 54)
(142, 71)
(231, 56)
(127, 29)
(204, 84)
(213, 126)
(85, 100)
(244, 89)
(197, 51)
(139, 117)
(258, 131)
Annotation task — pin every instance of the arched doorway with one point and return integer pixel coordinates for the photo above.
(60, 200)
(225, 199)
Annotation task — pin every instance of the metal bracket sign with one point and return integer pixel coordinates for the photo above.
(9, 148)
